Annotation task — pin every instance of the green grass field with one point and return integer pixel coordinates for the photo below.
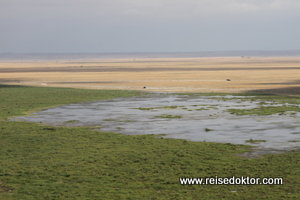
(44, 162)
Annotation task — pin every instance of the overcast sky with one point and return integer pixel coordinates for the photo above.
(70, 26)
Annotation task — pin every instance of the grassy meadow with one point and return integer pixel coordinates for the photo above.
(38, 161)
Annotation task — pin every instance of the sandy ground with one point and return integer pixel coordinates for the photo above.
(235, 74)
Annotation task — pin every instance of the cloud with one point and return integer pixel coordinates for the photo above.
(148, 25)
(176, 9)
(158, 9)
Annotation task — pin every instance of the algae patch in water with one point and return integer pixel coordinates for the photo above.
(169, 116)
(266, 110)
(164, 107)
(71, 121)
(255, 141)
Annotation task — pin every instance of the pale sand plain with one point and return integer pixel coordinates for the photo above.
(257, 74)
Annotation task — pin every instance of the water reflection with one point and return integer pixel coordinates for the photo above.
(179, 116)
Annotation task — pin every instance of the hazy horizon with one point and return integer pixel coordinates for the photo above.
(139, 55)
(127, 52)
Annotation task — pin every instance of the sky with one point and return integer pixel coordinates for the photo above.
(86, 26)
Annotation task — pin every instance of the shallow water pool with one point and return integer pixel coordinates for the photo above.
(204, 118)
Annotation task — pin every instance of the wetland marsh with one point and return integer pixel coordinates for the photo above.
(84, 156)
(196, 118)
(58, 162)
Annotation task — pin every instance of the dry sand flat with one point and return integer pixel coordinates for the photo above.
(280, 74)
